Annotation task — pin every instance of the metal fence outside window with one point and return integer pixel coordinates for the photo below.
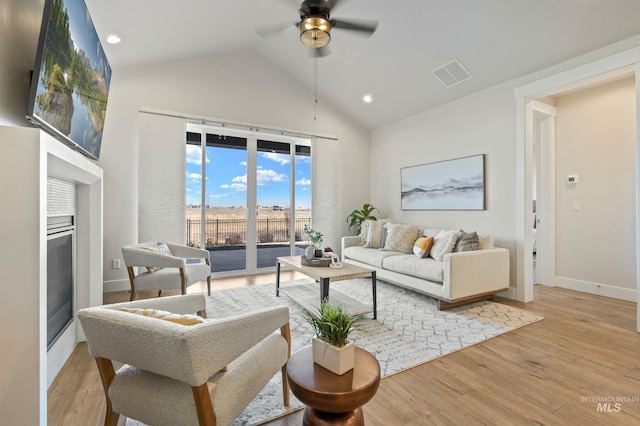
(232, 232)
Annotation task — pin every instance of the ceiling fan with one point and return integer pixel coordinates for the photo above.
(316, 24)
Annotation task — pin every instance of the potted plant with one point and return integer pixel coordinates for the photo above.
(331, 347)
(357, 217)
(315, 238)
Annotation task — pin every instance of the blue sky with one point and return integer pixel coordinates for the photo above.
(226, 181)
(84, 34)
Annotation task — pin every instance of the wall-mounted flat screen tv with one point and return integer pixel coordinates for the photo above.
(70, 83)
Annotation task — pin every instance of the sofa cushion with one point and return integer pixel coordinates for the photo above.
(486, 241)
(161, 248)
(409, 264)
(467, 241)
(443, 244)
(376, 233)
(400, 237)
(369, 256)
(431, 232)
(422, 247)
(364, 230)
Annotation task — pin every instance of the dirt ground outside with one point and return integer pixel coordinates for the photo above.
(241, 213)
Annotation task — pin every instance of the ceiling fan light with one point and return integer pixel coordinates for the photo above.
(315, 32)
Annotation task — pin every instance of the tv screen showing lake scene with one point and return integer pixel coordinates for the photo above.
(71, 82)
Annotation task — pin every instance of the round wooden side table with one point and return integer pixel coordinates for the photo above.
(333, 399)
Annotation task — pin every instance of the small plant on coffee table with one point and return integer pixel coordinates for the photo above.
(314, 237)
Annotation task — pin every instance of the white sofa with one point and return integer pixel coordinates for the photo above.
(459, 278)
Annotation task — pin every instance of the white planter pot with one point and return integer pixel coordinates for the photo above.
(335, 359)
(310, 251)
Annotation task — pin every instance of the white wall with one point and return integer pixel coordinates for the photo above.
(240, 87)
(596, 140)
(19, 29)
(483, 123)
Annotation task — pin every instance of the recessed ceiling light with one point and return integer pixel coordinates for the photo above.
(113, 39)
(367, 98)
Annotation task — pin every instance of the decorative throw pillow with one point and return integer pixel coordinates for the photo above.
(161, 248)
(467, 242)
(400, 237)
(364, 230)
(486, 241)
(443, 244)
(422, 247)
(166, 316)
(376, 234)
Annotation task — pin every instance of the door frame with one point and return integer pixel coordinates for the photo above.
(542, 116)
(602, 69)
(252, 136)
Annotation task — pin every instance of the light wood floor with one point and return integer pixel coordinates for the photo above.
(548, 373)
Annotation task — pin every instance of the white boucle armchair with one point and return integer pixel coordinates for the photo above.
(165, 266)
(174, 374)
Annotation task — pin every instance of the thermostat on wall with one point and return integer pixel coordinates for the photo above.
(572, 179)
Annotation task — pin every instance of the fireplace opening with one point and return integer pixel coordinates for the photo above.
(60, 267)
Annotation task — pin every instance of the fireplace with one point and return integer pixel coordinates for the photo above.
(32, 163)
(60, 276)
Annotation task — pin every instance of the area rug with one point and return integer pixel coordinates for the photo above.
(409, 331)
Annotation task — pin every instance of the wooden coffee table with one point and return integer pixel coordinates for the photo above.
(324, 275)
(333, 399)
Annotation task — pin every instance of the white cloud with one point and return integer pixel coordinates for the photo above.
(243, 163)
(303, 181)
(194, 176)
(239, 183)
(241, 179)
(265, 176)
(194, 155)
(281, 159)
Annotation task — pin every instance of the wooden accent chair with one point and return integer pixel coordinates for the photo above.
(165, 266)
(176, 374)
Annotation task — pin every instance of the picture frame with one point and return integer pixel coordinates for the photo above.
(457, 184)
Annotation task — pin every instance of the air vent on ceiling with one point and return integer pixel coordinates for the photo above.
(451, 73)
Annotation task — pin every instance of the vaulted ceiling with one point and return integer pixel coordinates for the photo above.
(495, 40)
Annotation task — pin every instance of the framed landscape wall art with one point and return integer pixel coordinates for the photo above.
(446, 185)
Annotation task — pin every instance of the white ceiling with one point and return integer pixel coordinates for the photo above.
(496, 40)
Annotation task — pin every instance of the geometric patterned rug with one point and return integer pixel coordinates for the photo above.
(409, 330)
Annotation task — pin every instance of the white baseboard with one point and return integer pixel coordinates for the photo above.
(597, 289)
(116, 285)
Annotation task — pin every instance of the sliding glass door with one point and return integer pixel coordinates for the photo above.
(254, 200)
(283, 195)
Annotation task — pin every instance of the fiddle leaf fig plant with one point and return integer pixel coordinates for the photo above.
(357, 217)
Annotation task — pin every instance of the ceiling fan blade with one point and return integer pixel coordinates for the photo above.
(361, 25)
(270, 30)
(332, 3)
